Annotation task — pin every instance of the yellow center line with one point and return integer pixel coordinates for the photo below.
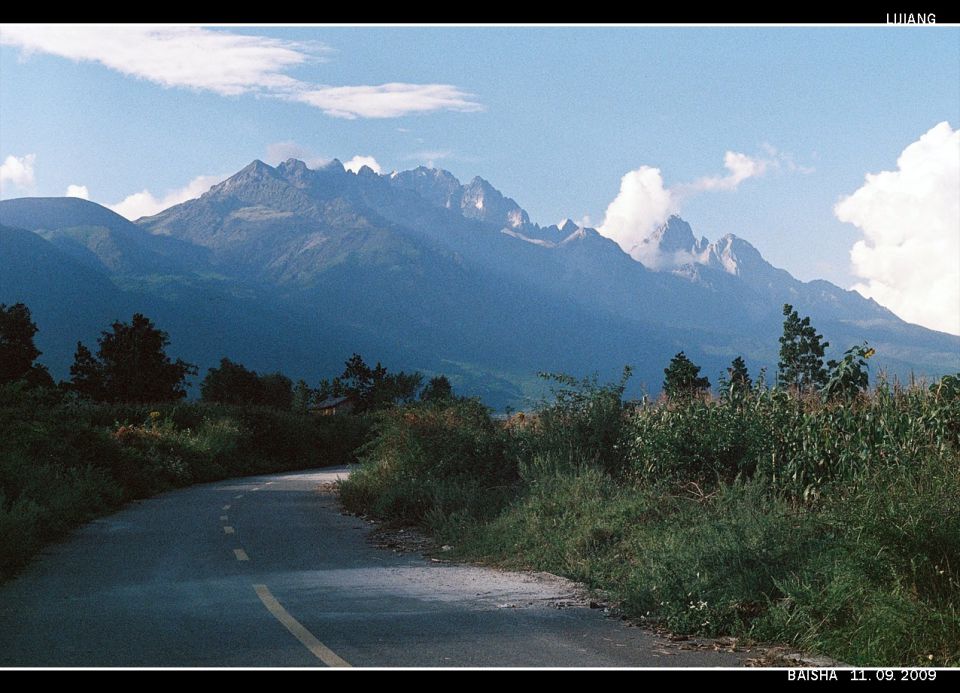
(241, 555)
(319, 650)
(228, 530)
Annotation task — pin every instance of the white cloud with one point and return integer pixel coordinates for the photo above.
(229, 64)
(278, 152)
(909, 258)
(430, 157)
(358, 162)
(388, 100)
(740, 167)
(642, 204)
(144, 204)
(17, 171)
(78, 191)
(174, 56)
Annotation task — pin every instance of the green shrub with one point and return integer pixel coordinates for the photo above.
(585, 421)
(438, 458)
(64, 461)
(832, 526)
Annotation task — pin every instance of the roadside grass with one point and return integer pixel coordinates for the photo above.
(64, 462)
(835, 528)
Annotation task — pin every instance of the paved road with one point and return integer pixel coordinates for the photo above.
(266, 571)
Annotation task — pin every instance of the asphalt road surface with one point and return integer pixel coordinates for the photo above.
(267, 571)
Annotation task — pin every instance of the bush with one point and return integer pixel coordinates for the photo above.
(64, 461)
(834, 526)
(436, 459)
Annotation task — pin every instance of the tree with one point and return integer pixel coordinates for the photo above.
(437, 389)
(231, 383)
(737, 381)
(17, 350)
(801, 354)
(372, 388)
(683, 378)
(131, 365)
(302, 396)
(86, 374)
(276, 390)
(395, 388)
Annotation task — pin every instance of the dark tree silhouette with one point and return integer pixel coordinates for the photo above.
(86, 374)
(371, 388)
(131, 365)
(17, 350)
(737, 380)
(302, 397)
(276, 390)
(801, 354)
(231, 383)
(683, 378)
(437, 389)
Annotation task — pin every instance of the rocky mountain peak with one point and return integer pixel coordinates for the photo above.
(255, 168)
(480, 200)
(673, 236)
(292, 166)
(435, 185)
(294, 171)
(734, 256)
(254, 172)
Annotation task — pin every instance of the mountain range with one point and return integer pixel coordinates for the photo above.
(293, 269)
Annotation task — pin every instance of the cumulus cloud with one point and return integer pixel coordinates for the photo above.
(17, 171)
(229, 64)
(642, 204)
(78, 191)
(740, 168)
(278, 152)
(388, 100)
(358, 162)
(909, 257)
(144, 204)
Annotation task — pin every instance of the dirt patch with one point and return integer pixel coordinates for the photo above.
(404, 540)
(780, 656)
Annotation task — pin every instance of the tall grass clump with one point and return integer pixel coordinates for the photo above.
(433, 463)
(831, 522)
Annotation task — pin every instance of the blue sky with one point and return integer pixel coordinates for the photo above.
(554, 117)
